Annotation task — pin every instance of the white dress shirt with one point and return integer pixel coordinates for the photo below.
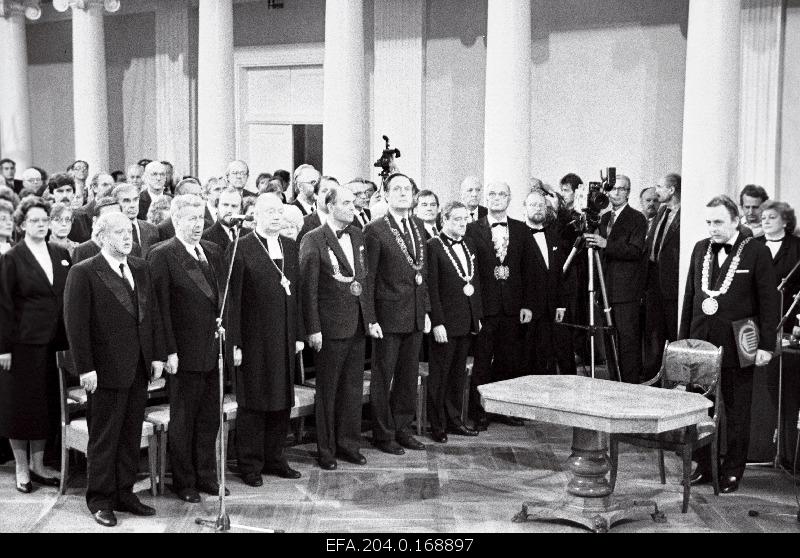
(347, 246)
(721, 255)
(541, 242)
(114, 263)
(42, 255)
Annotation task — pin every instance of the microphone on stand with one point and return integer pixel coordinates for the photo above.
(782, 286)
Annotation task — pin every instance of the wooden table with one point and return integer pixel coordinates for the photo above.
(594, 409)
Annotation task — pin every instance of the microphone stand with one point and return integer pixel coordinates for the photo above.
(222, 522)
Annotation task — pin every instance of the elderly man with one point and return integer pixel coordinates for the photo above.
(115, 337)
(237, 174)
(166, 229)
(320, 216)
(750, 200)
(186, 275)
(100, 187)
(265, 305)
(91, 247)
(155, 178)
(211, 192)
(79, 170)
(144, 234)
(134, 176)
(306, 182)
(32, 179)
(471, 195)
(649, 202)
(361, 190)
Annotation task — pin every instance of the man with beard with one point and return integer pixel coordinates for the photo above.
(222, 233)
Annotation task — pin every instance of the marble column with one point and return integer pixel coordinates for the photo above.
(507, 132)
(761, 52)
(216, 126)
(15, 117)
(710, 117)
(399, 83)
(173, 106)
(344, 121)
(89, 79)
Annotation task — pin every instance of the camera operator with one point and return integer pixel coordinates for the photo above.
(621, 238)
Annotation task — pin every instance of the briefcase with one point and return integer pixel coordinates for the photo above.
(745, 333)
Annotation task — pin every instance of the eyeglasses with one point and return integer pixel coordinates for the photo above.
(62, 220)
(239, 173)
(6, 218)
(497, 195)
(620, 189)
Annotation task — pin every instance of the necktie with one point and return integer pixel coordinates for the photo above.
(135, 234)
(611, 220)
(660, 235)
(313, 208)
(499, 225)
(407, 238)
(472, 215)
(434, 231)
(363, 217)
(204, 267)
(125, 279)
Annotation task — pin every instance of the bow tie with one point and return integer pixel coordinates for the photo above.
(341, 232)
(499, 225)
(536, 231)
(715, 247)
(452, 241)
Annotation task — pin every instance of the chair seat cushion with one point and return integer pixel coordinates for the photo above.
(304, 397)
(158, 415)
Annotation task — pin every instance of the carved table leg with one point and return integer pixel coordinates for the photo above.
(588, 500)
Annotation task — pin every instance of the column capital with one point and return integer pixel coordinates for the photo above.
(111, 6)
(28, 8)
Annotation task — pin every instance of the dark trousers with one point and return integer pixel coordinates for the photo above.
(340, 380)
(193, 427)
(660, 324)
(548, 348)
(629, 349)
(114, 417)
(497, 356)
(737, 396)
(393, 386)
(260, 438)
(446, 382)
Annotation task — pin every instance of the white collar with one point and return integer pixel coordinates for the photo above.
(189, 247)
(492, 220)
(114, 262)
(618, 211)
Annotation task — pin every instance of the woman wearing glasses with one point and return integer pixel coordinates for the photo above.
(60, 225)
(32, 278)
(6, 226)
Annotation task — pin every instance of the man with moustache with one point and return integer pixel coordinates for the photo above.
(621, 239)
(320, 216)
(186, 275)
(547, 344)
(456, 311)
(337, 312)
(471, 195)
(223, 232)
(505, 252)
(155, 179)
(144, 234)
(662, 252)
(115, 335)
(750, 199)
(649, 202)
(397, 263)
(266, 330)
(730, 278)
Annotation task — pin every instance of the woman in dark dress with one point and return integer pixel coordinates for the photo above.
(778, 222)
(32, 278)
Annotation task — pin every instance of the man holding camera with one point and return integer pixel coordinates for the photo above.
(621, 237)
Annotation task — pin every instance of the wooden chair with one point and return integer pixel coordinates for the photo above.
(75, 431)
(689, 363)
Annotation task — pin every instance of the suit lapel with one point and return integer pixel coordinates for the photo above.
(723, 270)
(333, 244)
(781, 252)
(33, 263)
(139, 282)
(112, 282)
(192, 268)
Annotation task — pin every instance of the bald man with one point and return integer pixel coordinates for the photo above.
(154, 179)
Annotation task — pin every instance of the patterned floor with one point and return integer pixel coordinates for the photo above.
(466, 485)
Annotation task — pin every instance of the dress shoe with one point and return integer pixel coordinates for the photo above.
(252, 479)
(356, 458)
(390, 447)
(438, 436)
(44, 481)
(106, 518)
(409, 442)
(25, 487)
(284, 472)
(700, 477)
(462, 430)
(189, 495)
(134, 506)
(327, 464)
(728, 485)
(211, 488)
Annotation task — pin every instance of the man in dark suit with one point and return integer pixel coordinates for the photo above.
(361, 190)
(155, 180)
(622, 240)
(100, 187)
(8, 168)
(90, 248)
(662, 252)
(166, 229)
(144, 234)
(320, 215)
(505, 253)
(456, 311)
(266, 330)
(306, 181)
(396, 283)
(115, 337)
(186, 274)
(547, 343)
(427, 210)
(471, 195)
(730, 278)
(222, 232)
(337, 314)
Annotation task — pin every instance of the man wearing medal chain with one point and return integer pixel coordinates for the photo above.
(337, 313)
(730, 278)
(397, 267)
(265, 327)
(456, 311)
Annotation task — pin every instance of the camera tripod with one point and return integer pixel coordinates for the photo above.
(592, 328)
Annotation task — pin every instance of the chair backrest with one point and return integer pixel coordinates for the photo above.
(692, 362)
(65, 370)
